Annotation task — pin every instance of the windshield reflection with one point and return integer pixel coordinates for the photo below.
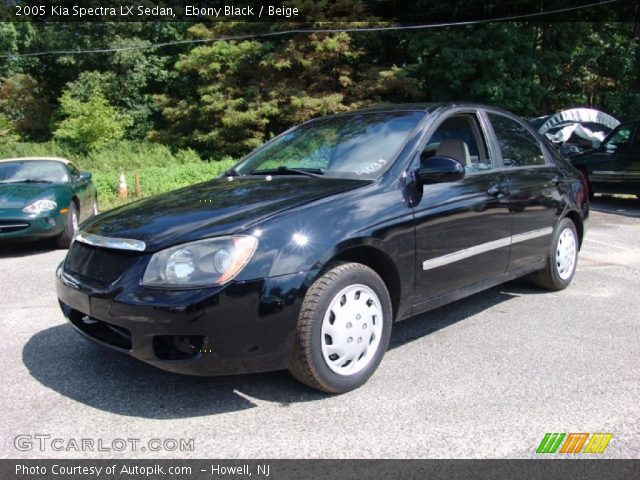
(359, 145)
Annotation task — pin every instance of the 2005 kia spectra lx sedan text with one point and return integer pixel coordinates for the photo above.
(305, 253)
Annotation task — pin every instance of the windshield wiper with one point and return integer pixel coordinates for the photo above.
(29, 180)
(284, 170)
(230, 173)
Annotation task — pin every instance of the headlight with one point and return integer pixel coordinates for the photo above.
(40, 206)
(204, 263)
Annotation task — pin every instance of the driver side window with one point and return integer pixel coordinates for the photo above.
(460, 137)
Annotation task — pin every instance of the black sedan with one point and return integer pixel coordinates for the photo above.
(307, 251)
(614, 165)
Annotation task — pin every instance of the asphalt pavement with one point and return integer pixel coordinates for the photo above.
(485, 377)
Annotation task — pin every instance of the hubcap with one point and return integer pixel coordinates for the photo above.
(74, 222)
(351, 329)
(566, 254)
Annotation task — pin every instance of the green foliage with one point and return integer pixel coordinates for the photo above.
(7, 132)
(155, 180)
(122, 156)
(23, 105)
(227, 97)
(244, 92)
(90, 124)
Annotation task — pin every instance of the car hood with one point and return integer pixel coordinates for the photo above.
(18, 195)
(213, 208)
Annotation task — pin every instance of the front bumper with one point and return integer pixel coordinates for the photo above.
(16, 225)
(241, 327)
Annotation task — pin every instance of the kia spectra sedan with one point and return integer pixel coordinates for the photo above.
(304, 254)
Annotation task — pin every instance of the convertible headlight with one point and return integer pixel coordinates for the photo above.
(203, 263)
(40, 206)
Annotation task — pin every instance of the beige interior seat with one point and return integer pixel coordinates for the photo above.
(455, 148)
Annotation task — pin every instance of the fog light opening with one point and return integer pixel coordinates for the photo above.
(177, 347)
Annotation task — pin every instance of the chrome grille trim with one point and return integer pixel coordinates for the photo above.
(110, 242)
(13, 225)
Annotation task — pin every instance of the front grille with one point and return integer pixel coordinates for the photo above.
(100, 264)
(8, 226)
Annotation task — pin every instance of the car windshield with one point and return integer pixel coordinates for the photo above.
(26, 171)
(361, 145)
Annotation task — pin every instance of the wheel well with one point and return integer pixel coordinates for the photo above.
(582, 169)
(77, 203)
(380, 263)
(577, 221)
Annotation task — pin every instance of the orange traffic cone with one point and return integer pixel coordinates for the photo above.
(122, 186)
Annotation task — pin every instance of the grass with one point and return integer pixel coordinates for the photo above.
(154, 180)
(159, 168)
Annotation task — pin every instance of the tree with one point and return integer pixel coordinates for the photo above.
(91, 124)
(237, 94)
(23, 106)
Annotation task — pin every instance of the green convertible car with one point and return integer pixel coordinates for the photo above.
(43, 197)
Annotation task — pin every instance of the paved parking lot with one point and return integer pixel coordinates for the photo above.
(487, 376)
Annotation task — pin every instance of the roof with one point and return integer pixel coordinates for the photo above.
(29, 159)
(418, 107)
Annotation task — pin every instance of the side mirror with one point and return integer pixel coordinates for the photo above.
(596, 144)
(84, 176)
(439, 170)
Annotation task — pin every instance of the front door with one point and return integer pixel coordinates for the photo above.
(462, 229)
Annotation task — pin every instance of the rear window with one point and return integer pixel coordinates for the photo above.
(519, 147)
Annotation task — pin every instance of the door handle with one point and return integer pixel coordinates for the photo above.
(497, 190)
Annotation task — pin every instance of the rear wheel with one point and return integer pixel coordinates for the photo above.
(562, 258)
(343, 329)
(64, 239)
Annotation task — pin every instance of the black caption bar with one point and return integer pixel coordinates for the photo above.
(318, 469)
(305, 11)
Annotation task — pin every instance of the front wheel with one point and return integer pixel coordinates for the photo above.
(66, 237)
(343, 330)
(562, 258)
(94, 207)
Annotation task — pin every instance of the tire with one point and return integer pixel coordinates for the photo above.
(64, 239)
(562, 258)
(94, 207)
(327, 355)
(587, 183)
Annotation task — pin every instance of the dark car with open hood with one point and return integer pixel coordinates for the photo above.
(304, 254)
(613, 166)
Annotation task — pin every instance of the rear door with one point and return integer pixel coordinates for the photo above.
(462, 228)
(606, 165)
(631, 163)
(536, 189)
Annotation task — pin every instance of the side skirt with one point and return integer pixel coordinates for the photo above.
(441, 300)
